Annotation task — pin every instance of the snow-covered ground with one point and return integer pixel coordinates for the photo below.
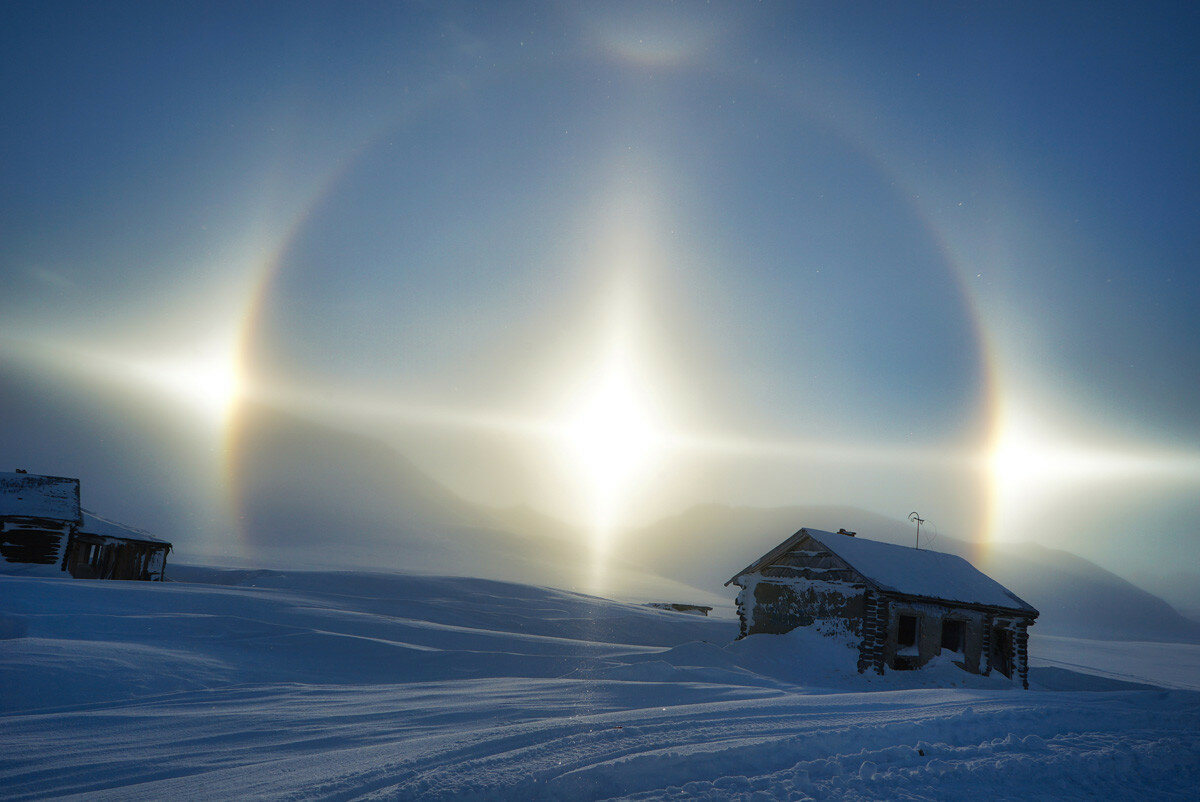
(344, 685)
(1165, 665)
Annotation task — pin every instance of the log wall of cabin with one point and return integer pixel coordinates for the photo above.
(930, 618)
(33, 540)
(97, 557)
(804, 586)
(1008, 648)
(991, 642)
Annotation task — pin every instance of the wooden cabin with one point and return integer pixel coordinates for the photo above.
(42, 524)
(103, 549)
(681, 607)
(906, 605)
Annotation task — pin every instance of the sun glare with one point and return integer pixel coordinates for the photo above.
(211, 383)
(208, 381)
(612, 438)
(1031, 465)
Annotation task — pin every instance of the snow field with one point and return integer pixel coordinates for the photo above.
(1165, 665)
(389, 686)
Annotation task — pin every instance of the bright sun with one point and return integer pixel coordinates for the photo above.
(211, 382)
(613, 438)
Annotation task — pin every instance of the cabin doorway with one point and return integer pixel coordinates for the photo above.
(908, 641)
(1001, 651)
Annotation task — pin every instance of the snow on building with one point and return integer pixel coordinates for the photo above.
(42, 524)
(907, 605)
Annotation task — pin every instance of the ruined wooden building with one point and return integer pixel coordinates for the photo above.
(906, 605)
(681, 607)
(43, 524)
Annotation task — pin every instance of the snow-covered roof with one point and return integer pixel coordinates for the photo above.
(907, 571)
(94, 524)
(34, 496)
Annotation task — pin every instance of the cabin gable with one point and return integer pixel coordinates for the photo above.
(803, 585)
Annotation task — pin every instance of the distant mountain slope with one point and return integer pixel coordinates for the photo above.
(314, 496)
(304, 487)
(300, 482)
(708, 544)
(1179, 587)
(1078, 597)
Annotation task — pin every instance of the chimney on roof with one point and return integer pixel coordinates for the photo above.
(848, 534)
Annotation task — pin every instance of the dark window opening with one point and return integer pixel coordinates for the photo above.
(906, 631)
(954, 635)
(1002, 651)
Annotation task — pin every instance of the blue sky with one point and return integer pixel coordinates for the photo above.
(957, 229)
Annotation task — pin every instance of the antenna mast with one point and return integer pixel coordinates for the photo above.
(918, 520)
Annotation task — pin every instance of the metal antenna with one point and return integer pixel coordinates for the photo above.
(918, 520)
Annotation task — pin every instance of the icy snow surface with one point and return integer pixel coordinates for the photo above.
(354, 685)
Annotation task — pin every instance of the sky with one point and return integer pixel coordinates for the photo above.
(613, 260)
